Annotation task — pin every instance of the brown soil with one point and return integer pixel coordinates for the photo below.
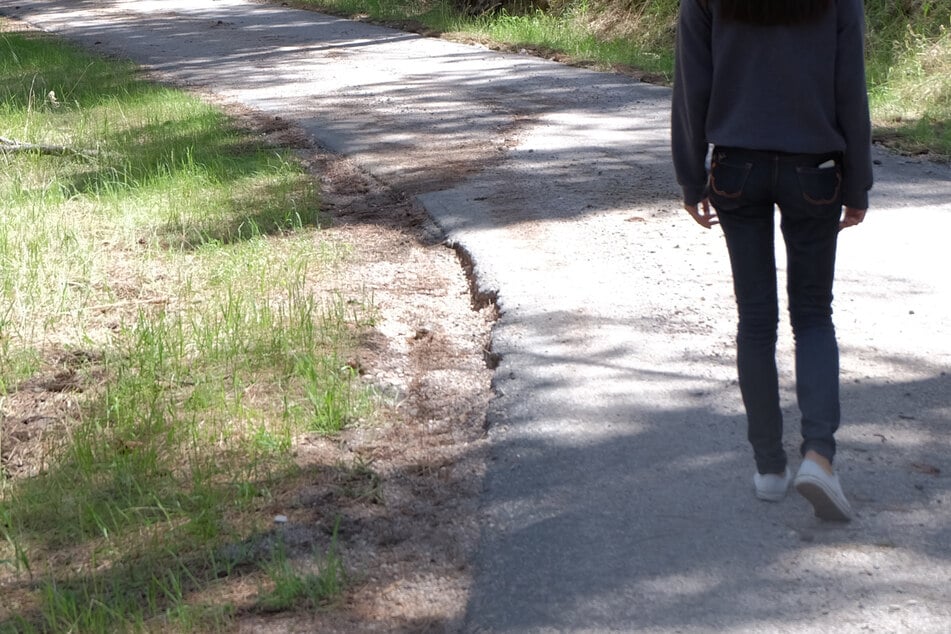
(407, 521)
(412, 549)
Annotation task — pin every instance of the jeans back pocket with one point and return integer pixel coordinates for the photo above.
(728, 181)
(820, 185)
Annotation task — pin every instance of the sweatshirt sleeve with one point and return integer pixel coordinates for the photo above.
(693, 77)
(851, 98)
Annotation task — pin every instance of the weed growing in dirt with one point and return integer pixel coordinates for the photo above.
(291, 587)
(163, 339)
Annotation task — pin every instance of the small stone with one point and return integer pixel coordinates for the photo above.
(280, 519)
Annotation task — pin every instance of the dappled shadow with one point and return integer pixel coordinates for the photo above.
(29, 89)
(424, 115)
(195, 541)
(486, 139)
(635, 514)
(619, 493)
(170, 572)
(912, 136)
(258, 194)
(633, 510)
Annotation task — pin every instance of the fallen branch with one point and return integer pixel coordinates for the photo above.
(12, 145)
(121, 304)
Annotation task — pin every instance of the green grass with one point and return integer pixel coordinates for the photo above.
(909, 70)
(160, 288)
(292, 587)
(567, 34)
(908, 53)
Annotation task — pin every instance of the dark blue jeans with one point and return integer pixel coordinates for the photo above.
(744, 187)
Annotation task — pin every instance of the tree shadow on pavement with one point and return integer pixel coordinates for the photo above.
(516, 138)
(639, 513)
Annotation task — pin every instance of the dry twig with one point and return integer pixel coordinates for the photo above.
(12, 145)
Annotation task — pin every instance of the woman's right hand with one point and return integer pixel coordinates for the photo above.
(851, 217)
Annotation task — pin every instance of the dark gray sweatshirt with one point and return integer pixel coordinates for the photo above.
(797, 89)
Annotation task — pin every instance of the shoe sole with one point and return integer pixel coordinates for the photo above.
(770, 497)
(822, 501)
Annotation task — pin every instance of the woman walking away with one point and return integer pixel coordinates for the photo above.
(777, 87)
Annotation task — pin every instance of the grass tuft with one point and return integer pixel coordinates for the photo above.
(292, 587)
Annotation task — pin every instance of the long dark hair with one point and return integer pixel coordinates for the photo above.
(773, 12)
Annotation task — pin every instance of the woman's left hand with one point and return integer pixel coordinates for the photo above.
(703, 214)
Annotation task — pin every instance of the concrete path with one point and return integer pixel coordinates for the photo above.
(619, 494)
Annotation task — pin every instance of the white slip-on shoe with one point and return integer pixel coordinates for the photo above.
(771, 487)
(823, 491)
